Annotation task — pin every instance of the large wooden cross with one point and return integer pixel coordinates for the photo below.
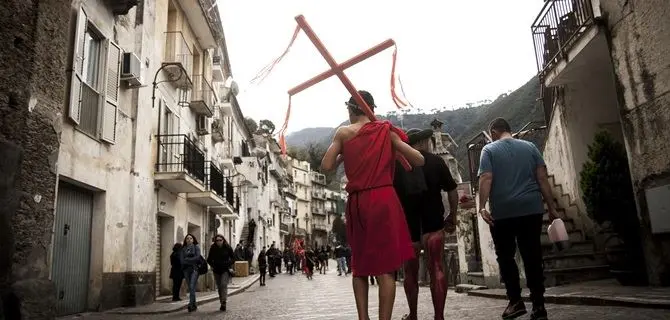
(338, 69)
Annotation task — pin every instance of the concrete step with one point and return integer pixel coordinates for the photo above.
(475, 278)
(568, 222)
(578, 246)
(561, 276)
(575, 236)
(565, 260)
(462, 288)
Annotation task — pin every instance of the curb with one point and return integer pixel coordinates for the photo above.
(208, 299)
(583, 300)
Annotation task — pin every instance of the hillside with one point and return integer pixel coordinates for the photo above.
(518, 107)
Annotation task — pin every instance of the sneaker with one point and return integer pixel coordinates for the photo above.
(539, 313)
(223, 307)
(514, 310)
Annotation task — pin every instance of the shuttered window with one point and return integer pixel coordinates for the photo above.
(94, 88)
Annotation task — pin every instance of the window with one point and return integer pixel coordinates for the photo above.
(94, 88)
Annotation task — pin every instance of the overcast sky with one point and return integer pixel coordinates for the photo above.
(449, 52)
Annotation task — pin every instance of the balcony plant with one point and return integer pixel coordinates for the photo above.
(609, 199)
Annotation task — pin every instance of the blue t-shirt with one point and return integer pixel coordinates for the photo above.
(515, 191)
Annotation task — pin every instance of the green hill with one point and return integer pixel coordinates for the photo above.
(518, 107)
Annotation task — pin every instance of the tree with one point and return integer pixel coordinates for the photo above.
(251, 124)
(339, 230)
(266, 127)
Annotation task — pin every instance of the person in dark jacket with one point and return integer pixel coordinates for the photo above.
(191, 259)
(262, 266)
(271, 254)
(221, 259)
(176, 272)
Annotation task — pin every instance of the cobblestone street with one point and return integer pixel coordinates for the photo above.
(330, 297)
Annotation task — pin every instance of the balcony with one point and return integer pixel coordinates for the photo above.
(283, 228)
(317, 210)
(203, 98)
(319, 178)
(181, 164)
(563, 35)
(199, 21)
(319, 195)
(217, 69)
(178, 61)
(320, 226)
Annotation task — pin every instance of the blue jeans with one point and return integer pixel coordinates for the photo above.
(191, 276)
(341, 265)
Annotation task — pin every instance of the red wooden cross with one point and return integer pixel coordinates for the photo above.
(338, 69)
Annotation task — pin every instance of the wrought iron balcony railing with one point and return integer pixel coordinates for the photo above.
(177, 50)
(215, 181)
(230, 192)
(203, 92)
(177, 153)
(556, 29)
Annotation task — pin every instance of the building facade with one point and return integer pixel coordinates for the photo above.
(320, 217)
(153, 147)
(302, 181)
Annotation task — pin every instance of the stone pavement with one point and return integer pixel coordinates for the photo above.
(597, 293)
(330, 297)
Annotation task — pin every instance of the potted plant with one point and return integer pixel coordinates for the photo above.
(609, 199)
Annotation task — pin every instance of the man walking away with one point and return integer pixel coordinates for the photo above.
(341, 260)
(513, 177)
(271, 254)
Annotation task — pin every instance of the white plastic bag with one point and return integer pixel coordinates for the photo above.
(558, 235)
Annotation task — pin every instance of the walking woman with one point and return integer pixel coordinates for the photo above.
(310, 262)
(220, 258)
(176, 272)
(190, 261)
(262, 266)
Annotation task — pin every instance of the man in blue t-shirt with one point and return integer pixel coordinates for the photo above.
(513, 179)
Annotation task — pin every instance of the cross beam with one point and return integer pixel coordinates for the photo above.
(338, 69)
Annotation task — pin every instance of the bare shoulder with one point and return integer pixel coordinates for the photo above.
(345, 133)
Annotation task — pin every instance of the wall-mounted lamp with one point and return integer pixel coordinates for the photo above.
(161, 206)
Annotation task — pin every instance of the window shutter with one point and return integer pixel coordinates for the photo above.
(109, 111)
(74, 109)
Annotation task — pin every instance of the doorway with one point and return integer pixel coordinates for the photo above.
(72, 248)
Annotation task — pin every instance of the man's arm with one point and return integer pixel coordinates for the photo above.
(485, 181)
(412, 155)
(332, 158)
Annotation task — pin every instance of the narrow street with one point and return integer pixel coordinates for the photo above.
(330, 297)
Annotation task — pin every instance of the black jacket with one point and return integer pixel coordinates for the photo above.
(262, 260)
(176, 271)
(220, 258)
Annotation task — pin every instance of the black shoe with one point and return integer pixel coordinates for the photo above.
(191, 308)
(176, 299)
(538, 313)
(223, 307)
(514, 310)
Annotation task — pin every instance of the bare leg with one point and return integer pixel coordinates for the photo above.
(434, 244)
(411, 283)
(361, 295)
(386, 284)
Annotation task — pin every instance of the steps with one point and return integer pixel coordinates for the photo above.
(476, 278)
(245, 233)
(578, 263)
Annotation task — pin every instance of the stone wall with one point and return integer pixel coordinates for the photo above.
(639, 40)
(32, 89)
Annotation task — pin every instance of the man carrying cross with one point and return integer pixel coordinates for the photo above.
(376, 226)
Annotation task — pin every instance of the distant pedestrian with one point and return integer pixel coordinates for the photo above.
(191, 259)
(262, 266)
(341, 260)
(513, 177)
(221, 260)
(176, 272)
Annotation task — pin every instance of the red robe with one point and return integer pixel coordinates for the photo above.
(376, 227)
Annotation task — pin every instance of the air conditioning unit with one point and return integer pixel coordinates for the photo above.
(131, 69)
(202, 125)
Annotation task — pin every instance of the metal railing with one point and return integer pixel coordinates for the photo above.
(203, 91)
(557, 27)
(318, 210)
(230, 192)
(178, 50)
(214, 179)
(283, 227)
(179, 154)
